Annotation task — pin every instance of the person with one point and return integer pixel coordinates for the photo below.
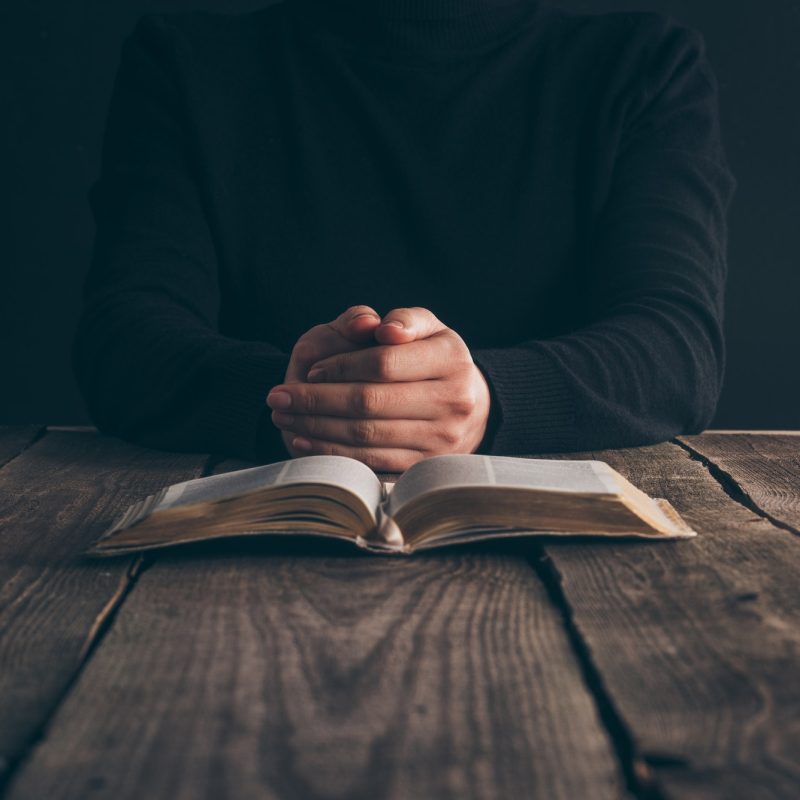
(391, 229)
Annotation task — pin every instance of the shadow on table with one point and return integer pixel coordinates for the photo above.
(301, 546)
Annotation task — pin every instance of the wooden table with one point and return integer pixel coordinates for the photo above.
(516, 670)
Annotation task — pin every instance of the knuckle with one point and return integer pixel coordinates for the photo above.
(335, 369)
(366, 401)
(308, 402)
(464, 403)
(386, 364)
(449, 435)
(363, 431)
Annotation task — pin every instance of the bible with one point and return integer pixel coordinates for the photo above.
(439, 501)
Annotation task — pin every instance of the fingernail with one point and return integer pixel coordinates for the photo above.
(316, 375)
(282, 419)
(299, 443)
(364, 314)
(279, 400)
(395, 323)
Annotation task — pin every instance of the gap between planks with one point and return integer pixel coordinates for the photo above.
(11, 766)
(277, 624)
(687, 764)
(101, 625)
(731, 486)
(640, 780)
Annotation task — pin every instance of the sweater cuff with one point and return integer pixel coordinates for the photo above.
(532, 406)
(239, 422)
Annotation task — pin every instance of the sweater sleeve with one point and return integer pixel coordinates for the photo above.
(149, 359)
(649, 362)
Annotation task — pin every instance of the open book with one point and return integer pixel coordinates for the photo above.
(439, 501)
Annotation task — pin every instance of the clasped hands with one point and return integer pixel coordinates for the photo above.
(387, 391)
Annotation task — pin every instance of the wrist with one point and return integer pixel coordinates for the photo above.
(483, 409)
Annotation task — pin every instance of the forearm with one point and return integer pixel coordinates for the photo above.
(153, 373)
(632, 380)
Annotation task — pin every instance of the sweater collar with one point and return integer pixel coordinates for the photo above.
(417, 29)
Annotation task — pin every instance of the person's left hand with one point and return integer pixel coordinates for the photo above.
(416, 393)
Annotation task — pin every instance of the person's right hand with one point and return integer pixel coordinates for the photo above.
(350, 331)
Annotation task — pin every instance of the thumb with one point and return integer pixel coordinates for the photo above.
(357, 324)
(349, 331)
(404, 325)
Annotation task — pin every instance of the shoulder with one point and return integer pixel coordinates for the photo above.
(629, 58)
(627, 42)
(645, 31)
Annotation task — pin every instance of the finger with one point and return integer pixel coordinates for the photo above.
(357, 324)
(416, 400)
(413, 434)
(319, 342)
(429, 359)
(406, 325)
(349, 331)
(377, 458)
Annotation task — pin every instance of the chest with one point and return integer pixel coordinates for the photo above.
(459, 189)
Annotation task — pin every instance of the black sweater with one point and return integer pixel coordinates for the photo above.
(552, 186)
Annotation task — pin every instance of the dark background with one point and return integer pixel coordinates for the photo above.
(60, 59)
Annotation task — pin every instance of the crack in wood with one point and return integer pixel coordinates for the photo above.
(9, 767)
(109, 611)
(662, 760)
(732, 488)
(640, 779)
(101, 626)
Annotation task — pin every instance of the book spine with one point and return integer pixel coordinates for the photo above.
(387, 532)
(386, 536)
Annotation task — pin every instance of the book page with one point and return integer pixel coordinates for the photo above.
(439, 472)
(346, 473)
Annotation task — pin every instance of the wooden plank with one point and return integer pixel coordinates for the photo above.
(696, 643)
(55, 499)
(765, 468)
(15, 438)
(292, 669)
(754, 432)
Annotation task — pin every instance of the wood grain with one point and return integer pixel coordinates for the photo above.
(762, 432)
(697, 642)
(266, 670)
(15, 438)
(764, 467)
(55, 499)
(283, 670)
